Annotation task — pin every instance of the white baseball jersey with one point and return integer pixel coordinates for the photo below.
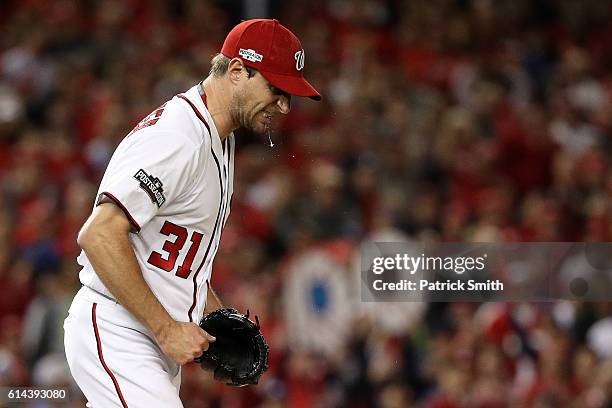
(173, 178)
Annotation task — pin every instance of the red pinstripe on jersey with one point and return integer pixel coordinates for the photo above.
(217, 220)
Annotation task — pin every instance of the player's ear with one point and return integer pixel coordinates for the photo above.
(235, 69)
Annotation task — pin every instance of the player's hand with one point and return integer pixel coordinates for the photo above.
(183, 342)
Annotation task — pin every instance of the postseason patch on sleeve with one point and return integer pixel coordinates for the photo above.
(152, 186)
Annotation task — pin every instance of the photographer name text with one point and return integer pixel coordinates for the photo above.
(438, 286)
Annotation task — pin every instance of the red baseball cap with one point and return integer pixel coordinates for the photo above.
(274, 51)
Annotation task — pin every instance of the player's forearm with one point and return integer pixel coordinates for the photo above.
(107, 246)
(115, 264)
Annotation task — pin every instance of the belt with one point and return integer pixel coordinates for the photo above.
(102, 294)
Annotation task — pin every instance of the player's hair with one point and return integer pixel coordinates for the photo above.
(220, 63)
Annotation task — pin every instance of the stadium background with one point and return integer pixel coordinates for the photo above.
(442, 120)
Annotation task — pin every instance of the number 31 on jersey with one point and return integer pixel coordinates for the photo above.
(173, 247)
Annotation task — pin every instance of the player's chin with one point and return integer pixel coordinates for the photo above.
(260, 126)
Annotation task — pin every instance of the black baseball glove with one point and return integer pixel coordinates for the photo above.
(239, 355)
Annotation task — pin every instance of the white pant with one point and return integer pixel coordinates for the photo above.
(114, 359)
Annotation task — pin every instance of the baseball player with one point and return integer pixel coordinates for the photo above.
(149, 244)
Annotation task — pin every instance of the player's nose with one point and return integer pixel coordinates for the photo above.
(284, 104)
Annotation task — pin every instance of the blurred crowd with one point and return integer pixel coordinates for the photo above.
(442, 120)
